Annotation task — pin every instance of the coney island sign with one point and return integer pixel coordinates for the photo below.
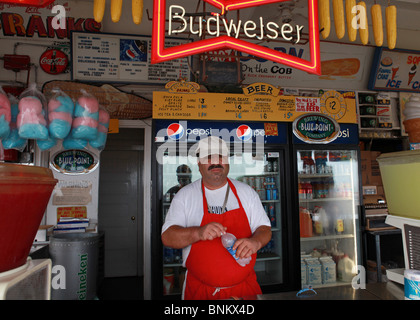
(226, 33)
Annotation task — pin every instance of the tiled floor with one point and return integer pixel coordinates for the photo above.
(124, 288)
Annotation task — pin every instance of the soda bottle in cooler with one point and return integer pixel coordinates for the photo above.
(318, 228)
(305, 223)
(302, 191)
(274, 190)
(272, 214)
(309, 190)
(268, 189)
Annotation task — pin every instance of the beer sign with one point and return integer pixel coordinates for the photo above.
(316, 128)
(53, 61)
(226, 33)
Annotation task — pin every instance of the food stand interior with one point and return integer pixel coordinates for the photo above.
(132, 280)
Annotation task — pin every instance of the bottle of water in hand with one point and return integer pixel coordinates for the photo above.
(228, 240)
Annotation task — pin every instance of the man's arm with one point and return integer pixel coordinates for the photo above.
(245, 247)
(178, 237)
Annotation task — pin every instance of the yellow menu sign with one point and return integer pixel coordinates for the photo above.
(241, 107)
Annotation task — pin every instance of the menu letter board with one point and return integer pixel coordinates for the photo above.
(115, 58)
(241, 107)
(395, 70)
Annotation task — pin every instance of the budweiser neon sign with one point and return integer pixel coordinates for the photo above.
(228, 38)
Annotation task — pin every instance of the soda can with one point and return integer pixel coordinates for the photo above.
(272, 215)
(251, 182)
(261, 193)
(268, 193)
(275, 166)
(259, 182)
(269, 167)
(275, 195)
(265, 208)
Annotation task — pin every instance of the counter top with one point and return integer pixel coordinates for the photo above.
(373, 291)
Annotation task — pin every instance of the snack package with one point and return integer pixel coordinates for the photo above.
(86, 116)
(60, 114)
(31, 120)
(99, 142)
(14, 141)
(5, 115)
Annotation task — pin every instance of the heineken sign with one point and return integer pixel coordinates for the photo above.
(316, 128)
(74, 161)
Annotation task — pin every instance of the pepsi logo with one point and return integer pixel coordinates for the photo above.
(244, 132)
(175, 131)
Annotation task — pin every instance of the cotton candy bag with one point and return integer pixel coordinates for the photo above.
(99, 142)
(13, 140)
(31, 120)
(86, 116)
(5, 115)
(60, 114)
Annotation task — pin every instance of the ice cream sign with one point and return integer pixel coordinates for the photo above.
(395, 70)
(226, 33)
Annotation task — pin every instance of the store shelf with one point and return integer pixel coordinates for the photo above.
(328, 237)
(324, 199)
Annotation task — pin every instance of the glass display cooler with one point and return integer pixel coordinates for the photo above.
(263, 164)
(328, 183)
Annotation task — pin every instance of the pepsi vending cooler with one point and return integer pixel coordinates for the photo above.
(329, 206)
(260, 160)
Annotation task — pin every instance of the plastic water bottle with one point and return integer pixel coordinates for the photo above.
(228, 240)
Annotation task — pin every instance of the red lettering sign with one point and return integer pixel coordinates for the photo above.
(231, 39)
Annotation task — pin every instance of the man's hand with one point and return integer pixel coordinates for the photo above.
(211, 231)
(246, 247)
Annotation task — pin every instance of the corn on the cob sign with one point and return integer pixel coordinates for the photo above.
(228, 38)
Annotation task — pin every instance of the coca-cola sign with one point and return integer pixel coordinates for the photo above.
(53, 61)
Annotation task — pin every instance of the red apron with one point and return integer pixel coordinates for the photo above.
(212, 272)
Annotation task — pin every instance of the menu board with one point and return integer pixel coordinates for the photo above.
(395, 70)
(241, 107)
(115, 58)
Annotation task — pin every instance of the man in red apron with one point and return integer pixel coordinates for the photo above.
(212, 273)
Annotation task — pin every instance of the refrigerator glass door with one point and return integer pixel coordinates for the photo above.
(328, 189)
(262, 173)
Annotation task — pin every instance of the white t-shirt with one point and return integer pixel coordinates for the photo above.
(186, 209)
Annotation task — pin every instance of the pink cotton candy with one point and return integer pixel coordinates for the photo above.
(60, 116)
(5, 107)
(85, 121)
(103, 116)
(53, 104)
(30, 117)
(89, 103)
(30, 103)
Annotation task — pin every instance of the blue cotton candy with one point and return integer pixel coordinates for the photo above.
(70, 143)
(59, 128)
(14, 141)
(46, 144)
(4, 127)
(33, 131)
